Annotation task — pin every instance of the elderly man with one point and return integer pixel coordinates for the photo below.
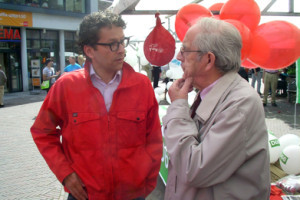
(219, 148)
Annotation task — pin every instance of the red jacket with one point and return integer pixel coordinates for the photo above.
(117, 153)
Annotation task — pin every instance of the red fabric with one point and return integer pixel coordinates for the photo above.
(159, 46)
(117, 153)
(276, 193)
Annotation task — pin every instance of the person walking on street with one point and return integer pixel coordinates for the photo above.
(3, 80)
(107, 117)
(256, 77)
(223, 136)
(73, 65)
(156, 70)
(49, 73)
(270, 79)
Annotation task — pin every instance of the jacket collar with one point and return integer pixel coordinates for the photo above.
(211, 100)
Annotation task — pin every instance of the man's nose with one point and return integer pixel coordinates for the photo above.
(179, 56)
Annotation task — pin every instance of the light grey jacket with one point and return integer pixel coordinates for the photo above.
(223, 153)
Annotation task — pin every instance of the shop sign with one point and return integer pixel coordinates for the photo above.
(8, 34)
(15, 18)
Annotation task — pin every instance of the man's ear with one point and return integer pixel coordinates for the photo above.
(211, 58)
(88, 50)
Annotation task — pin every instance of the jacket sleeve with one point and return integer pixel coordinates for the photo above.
(46, 134)
(213, 160)
(154, 141)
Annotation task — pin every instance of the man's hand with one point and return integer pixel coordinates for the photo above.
(180, 89)
(75, 186)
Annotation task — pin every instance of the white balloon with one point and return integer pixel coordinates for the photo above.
(131, 58)
(140, 52)
(159, 90)
(143, 60)
(274, 148)
(169, 74)
(158, 99)
(289, 139)
(136, 68)
(169, 84)
(168, 98)
(290, 159)
(144, 72)
(175, 67)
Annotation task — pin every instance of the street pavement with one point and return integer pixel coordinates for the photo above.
(24, 173)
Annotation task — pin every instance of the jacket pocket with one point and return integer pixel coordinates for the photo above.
(86, 130)
(131, 129)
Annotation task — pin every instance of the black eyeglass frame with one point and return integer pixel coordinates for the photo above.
(123, 42)
(182, 51)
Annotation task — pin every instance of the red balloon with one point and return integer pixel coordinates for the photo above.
(246, 36)
(216, 7)
(245, 11)
(248, 64)
(275, 45)
(159, 46)
(187, 16)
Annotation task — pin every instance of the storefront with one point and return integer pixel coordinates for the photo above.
(28, 39)
(41, 44)
(10, 58)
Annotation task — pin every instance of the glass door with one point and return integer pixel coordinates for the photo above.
(12, 68)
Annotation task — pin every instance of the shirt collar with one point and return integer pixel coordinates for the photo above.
(117, 77)
(204, 92)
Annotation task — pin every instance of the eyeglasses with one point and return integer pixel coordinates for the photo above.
(182, 51)
(114, 46)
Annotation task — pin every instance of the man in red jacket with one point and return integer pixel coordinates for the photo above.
(98, 128)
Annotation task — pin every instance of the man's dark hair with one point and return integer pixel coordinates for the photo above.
(91, 25)
(47, 61)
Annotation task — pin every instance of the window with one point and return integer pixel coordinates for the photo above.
(75, 6)
(45, 39)
(71, 42)
(32, 34)
(50, 35)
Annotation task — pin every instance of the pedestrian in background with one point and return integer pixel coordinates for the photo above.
(49, 73)
(156, 70)
(73, 65)
(256, 77)
(214, 145)
(107, 117)
(81, 60)
(3, 80)
(270, 79)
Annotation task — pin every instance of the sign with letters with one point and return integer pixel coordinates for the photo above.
(10, 34)
(15, 18)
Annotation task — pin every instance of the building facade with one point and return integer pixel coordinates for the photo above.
(33, 30)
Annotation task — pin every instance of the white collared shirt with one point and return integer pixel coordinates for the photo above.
(107, 90)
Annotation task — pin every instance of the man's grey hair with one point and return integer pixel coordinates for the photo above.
(223, 40)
